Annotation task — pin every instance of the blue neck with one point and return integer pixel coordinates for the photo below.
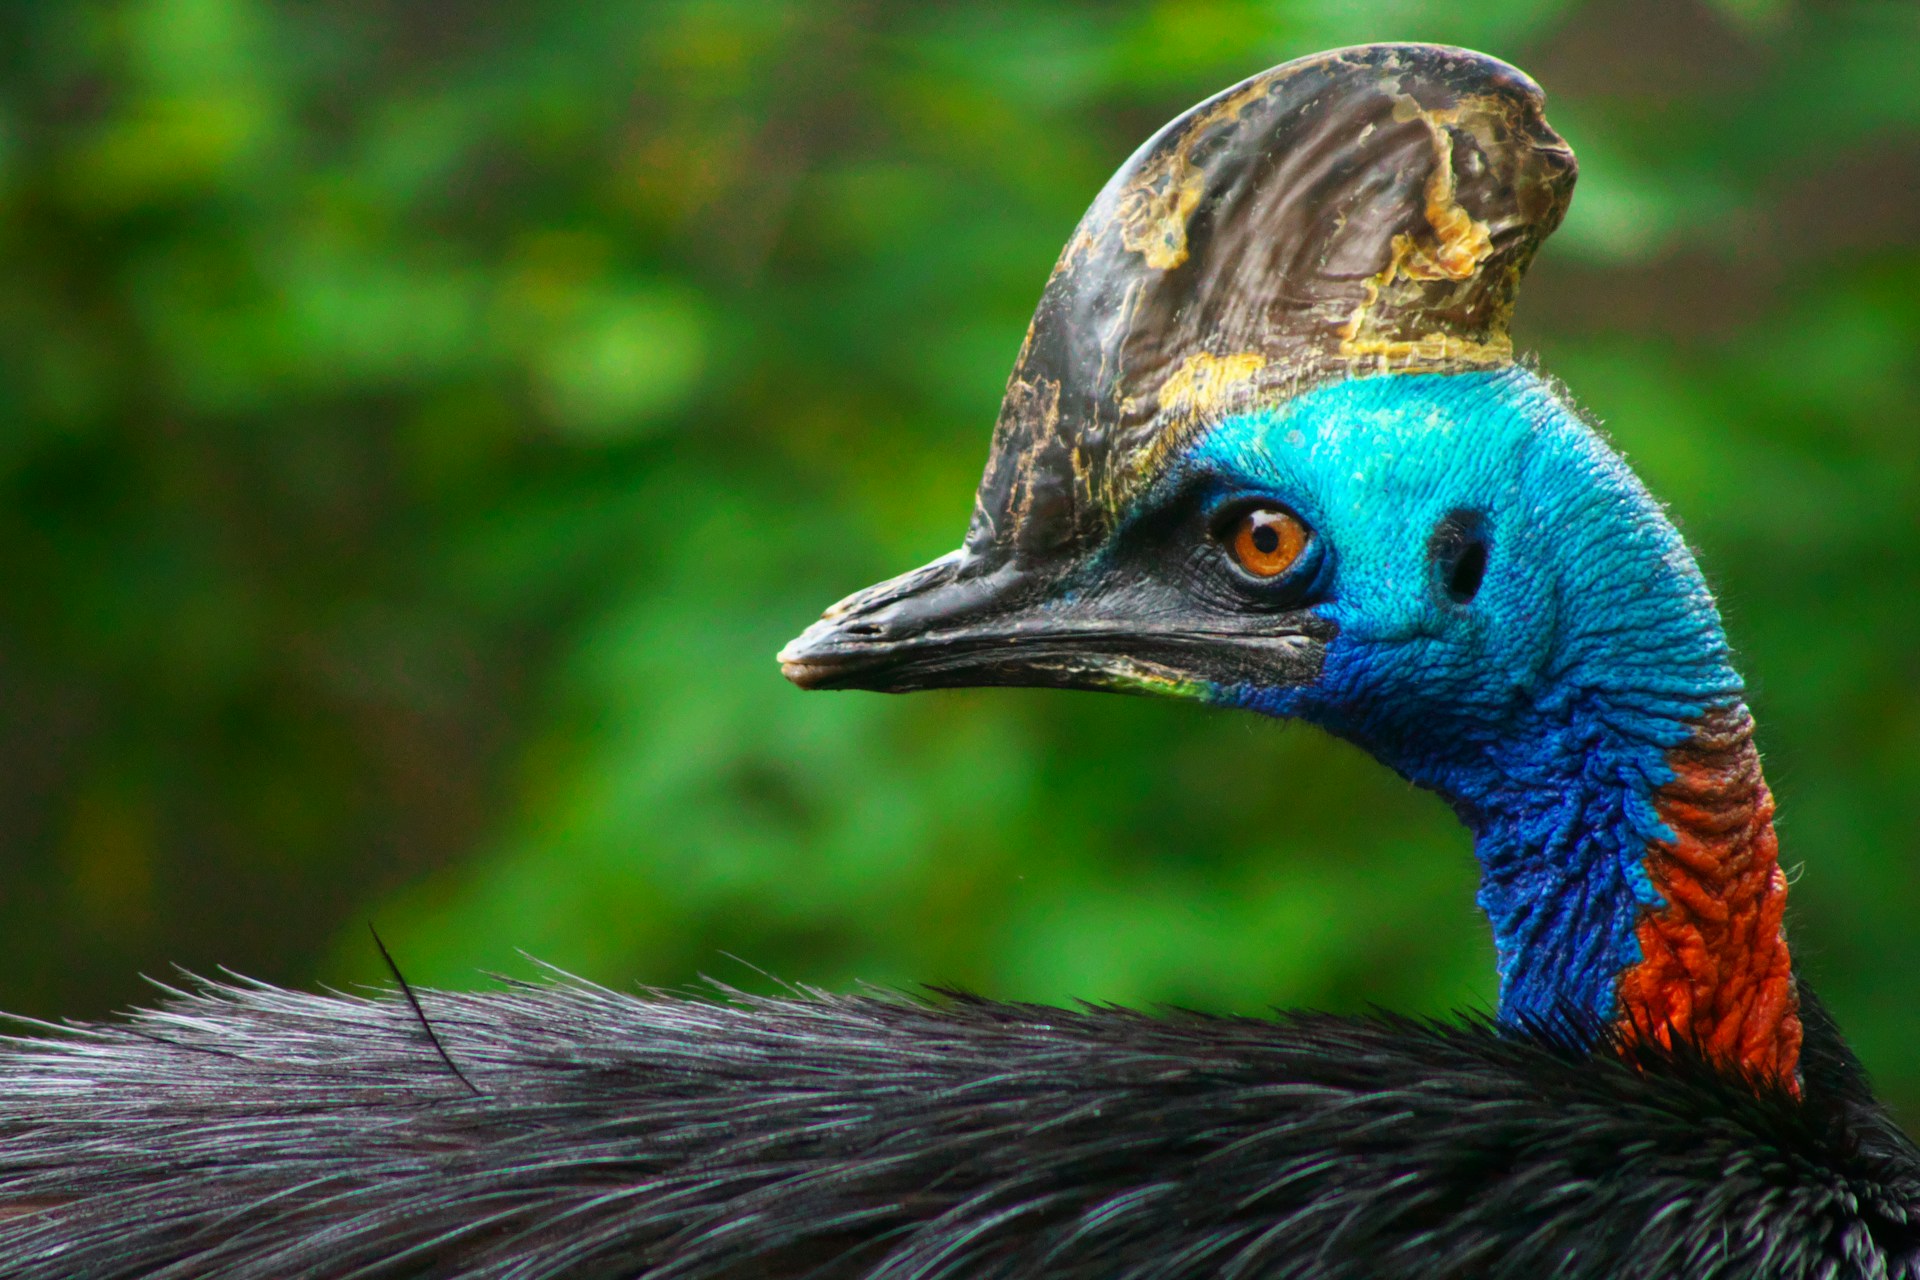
(1546, 711)
(1559, 796)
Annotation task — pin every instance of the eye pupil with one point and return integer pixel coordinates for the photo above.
(1266, 541)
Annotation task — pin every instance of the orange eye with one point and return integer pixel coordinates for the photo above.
(1268, 541)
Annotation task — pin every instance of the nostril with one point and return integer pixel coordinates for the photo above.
(865, 630)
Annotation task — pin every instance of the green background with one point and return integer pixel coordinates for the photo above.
(423, 422)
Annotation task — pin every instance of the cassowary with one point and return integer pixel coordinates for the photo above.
(1266, 445)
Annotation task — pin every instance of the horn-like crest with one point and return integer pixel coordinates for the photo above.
(1368, 210)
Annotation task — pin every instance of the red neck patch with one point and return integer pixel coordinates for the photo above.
(1716, 970)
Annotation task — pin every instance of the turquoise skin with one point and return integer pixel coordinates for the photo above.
(1544, 707)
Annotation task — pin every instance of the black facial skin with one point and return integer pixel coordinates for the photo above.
(1163, 602)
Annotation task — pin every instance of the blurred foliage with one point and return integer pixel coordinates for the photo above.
(425, 421)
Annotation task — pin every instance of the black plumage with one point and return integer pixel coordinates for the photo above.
(252, 1133)
(1314, 231)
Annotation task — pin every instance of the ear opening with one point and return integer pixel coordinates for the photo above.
(1460, 551)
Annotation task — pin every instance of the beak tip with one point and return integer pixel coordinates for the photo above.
(859, 640)
(800, 673)
(800, 660)
(795, 666)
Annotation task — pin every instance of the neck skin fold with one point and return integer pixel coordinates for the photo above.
(1636, 882)
(1715, 968)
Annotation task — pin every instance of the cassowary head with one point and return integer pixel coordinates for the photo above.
(1266, 445)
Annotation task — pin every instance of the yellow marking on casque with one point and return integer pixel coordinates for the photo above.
(1203, 381)
(1154, 209)
(1154, 224)
(1461, 243)
(1192, 395)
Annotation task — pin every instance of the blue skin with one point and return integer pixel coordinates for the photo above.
(1543, 710)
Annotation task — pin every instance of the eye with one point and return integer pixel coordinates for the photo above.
(1265, 541)
(1459, 550)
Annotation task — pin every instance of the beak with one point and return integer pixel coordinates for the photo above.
(955, 624)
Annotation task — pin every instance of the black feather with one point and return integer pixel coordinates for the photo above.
(413, 1003)
(246, 1132)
